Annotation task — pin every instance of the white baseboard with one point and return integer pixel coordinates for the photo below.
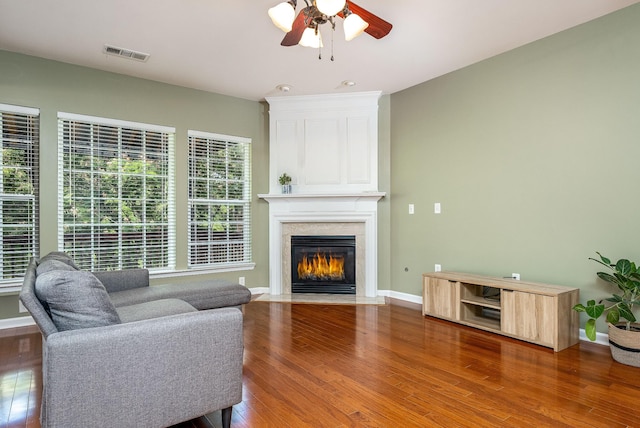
(259, 290)
(16, 322)
(601, 338)
(401, 296)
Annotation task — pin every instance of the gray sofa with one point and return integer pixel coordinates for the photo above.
(120, 353)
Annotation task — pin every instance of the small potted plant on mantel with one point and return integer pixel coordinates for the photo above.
(624, 337)
(285, 182)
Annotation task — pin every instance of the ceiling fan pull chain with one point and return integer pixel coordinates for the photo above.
(320, 44)
(333, 30)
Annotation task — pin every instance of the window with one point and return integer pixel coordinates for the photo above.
(116, 193)
(219, 200)
(18, 190)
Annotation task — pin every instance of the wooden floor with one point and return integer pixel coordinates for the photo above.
(383, 366)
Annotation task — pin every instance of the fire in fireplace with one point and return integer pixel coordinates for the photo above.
(323, 264)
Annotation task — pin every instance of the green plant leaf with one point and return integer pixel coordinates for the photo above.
(590, 329)
(607, 277)
(623, 282)
(626, 313)
(614, 299)
(613, 317)
(579, 308)
(604, 259)
(594, 311)
(623, 267)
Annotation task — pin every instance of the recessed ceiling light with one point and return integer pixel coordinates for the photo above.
(283, 88)
(348, 83)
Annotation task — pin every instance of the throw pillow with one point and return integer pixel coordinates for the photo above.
(53, 264)
(76, 299)
(61, 256)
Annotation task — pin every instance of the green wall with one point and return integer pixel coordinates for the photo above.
(53, 86)
(533, 155)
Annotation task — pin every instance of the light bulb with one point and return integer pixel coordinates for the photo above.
(310, 39)
(330, 7)
(282, 15)
(353, 26)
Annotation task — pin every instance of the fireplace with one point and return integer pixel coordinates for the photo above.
(323, 264)
(323, 215)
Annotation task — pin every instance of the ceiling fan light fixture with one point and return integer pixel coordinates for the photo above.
(330, 7)
(311, 38)
(353, 25)
(282, 15)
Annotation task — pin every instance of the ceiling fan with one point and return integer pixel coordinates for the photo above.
(303, 29)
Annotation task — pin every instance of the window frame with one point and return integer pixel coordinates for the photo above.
(245, 202)
(31, 117)
(168, 251)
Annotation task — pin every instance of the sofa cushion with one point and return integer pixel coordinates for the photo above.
(76, 299)
(154, 309)
(201, 295)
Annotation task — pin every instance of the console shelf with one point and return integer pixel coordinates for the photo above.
(534, 312)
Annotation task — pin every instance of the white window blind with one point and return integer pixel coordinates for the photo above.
(18, 190)
(116, 193)
(219, 200)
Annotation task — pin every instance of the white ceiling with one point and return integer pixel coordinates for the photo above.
(231, 47)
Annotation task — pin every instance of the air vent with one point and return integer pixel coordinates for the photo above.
(125, 53)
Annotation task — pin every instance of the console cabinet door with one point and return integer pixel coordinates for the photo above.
(529, 316)
(440, 297)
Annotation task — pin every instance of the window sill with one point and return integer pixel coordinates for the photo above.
(202, 271)
(8, 290)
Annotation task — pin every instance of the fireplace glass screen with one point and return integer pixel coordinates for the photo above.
(323, 264)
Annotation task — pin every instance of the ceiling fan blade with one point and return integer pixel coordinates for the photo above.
(293, 37)
(377, 28)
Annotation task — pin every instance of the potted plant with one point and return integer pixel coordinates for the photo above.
(285, 182)
(624, 337)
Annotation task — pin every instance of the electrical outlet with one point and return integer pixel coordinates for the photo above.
(437, 268)
(437, 208)
(515, 276)
(412, 209)
(241, 280)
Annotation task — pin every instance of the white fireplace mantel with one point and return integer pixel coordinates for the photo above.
(349, 198)
(328, 144)
(323, 208)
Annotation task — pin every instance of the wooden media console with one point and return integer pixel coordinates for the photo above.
(534, 312)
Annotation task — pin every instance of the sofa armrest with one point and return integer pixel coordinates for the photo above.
(126, 279)
(155, 372)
